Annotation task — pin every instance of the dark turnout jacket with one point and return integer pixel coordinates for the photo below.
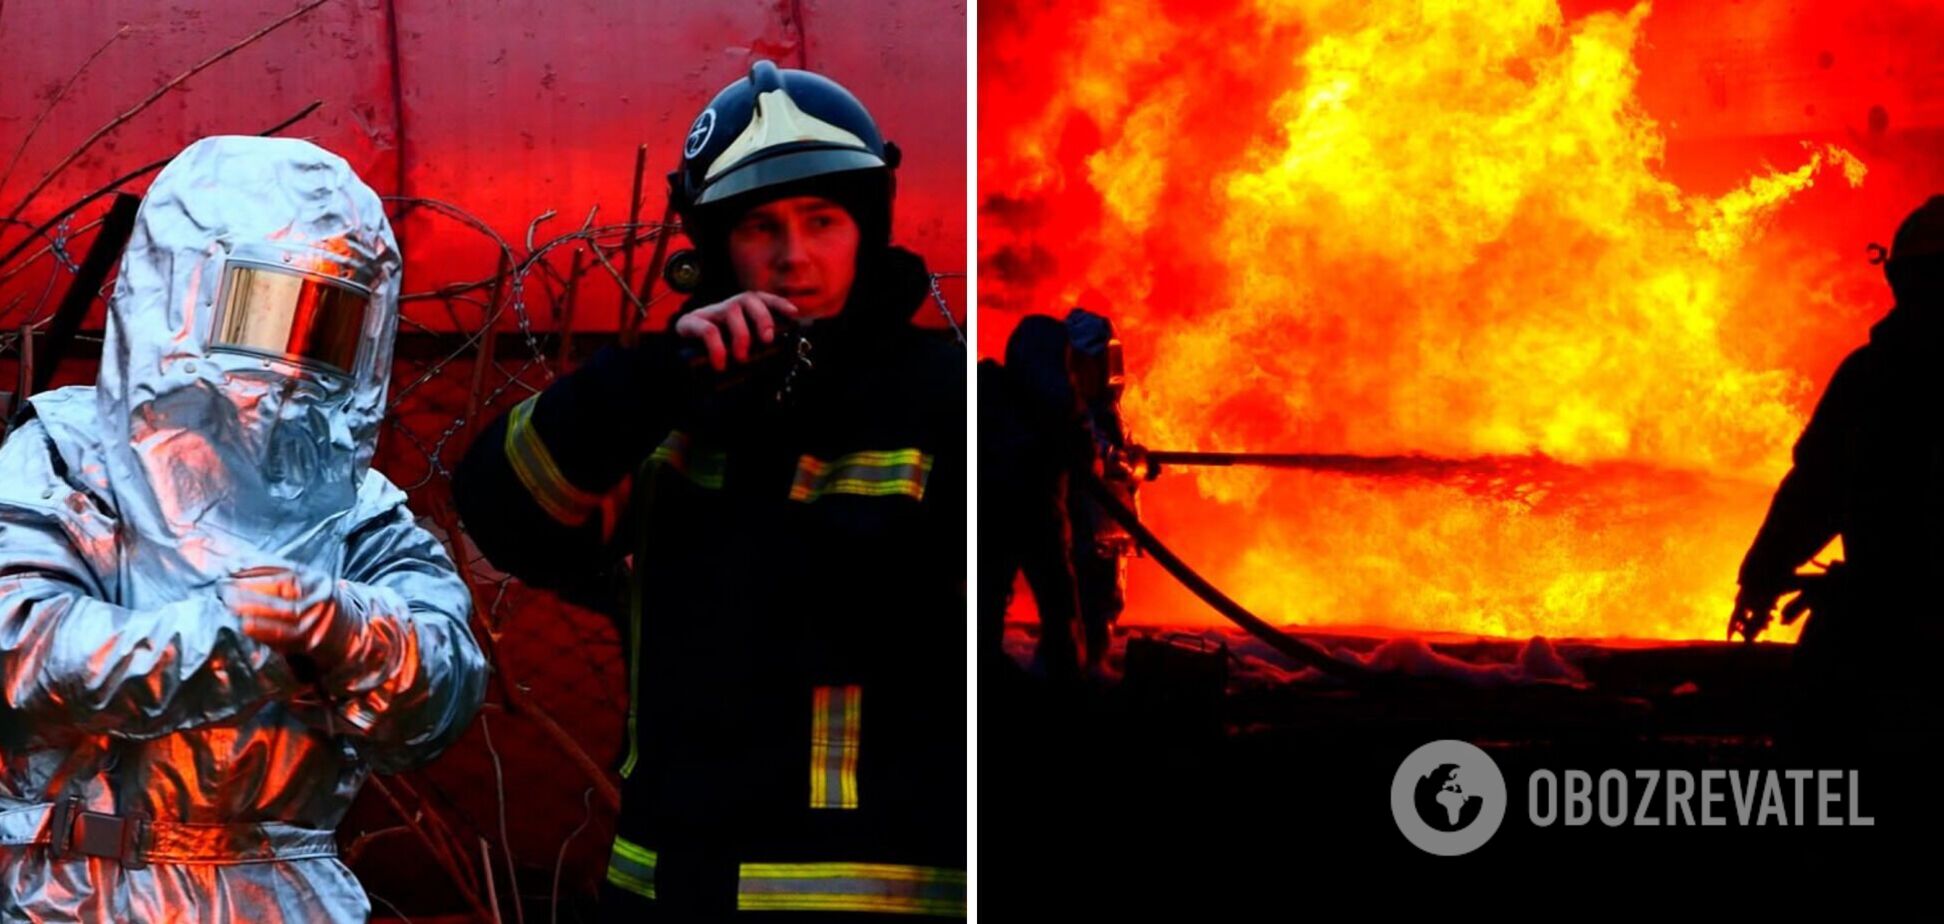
(1032, 443)
(794, 613)
(1870, 467)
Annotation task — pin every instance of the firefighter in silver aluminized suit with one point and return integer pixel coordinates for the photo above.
(215, 619)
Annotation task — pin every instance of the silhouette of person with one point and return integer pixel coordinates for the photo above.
(1868, 467)
(1100, 545)
(1032, 439)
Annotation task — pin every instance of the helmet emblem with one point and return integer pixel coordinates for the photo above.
(698, 136)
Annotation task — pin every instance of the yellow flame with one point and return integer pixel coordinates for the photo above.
(1457, 241)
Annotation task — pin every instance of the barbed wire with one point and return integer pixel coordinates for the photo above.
(447, 391)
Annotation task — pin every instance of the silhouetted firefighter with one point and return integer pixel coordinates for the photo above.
(1100, 545)
(1032, 439)
(1870, 468)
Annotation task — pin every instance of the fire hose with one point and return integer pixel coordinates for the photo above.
(1149, 462)
(1413, 465)
(1294, 648)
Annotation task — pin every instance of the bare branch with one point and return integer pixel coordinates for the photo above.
(160, 91)
(61, 95)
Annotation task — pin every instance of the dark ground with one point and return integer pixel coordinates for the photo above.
(1104, 805)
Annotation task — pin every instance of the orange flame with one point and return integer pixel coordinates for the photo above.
(1434, 227)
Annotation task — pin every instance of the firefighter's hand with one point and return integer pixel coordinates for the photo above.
(728, 327)
(1114, 467)
(1754, 608)
(295, 609)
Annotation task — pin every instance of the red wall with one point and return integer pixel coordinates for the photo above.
(506, 109)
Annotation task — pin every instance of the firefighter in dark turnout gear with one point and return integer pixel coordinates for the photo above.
(1100, 545)
(794, 617)
(1868, 467)
(1032, 443)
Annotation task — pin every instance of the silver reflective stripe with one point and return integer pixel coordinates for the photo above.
(632, 867)
(870, 887)
(874, 473)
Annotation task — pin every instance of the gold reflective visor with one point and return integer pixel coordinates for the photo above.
(304, 318)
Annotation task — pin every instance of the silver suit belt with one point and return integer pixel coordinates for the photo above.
(136, 840)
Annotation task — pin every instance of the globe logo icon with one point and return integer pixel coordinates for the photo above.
(1441, 801)
(1448, 798)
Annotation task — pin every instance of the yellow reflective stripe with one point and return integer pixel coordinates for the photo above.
(632, 867)
(702, 466)
(863, 903)
(879, 887)
(535, 468)
(876, 473)
(625, 881)
(853, 705)
(819, 747)
(833, 746)
(633, 851)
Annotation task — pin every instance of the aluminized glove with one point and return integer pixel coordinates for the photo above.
(296, 610)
